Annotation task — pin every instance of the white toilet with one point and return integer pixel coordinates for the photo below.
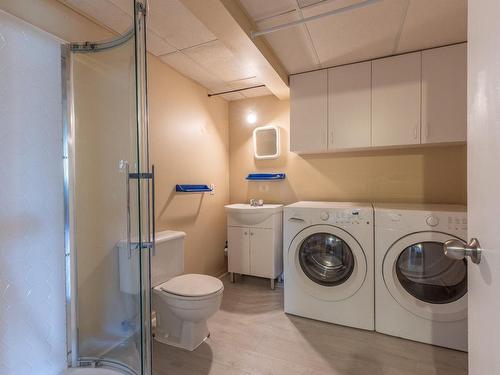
(182, 303)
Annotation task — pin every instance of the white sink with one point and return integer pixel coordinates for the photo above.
(251, 215)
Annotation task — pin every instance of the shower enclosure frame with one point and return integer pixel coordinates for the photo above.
(144, 178)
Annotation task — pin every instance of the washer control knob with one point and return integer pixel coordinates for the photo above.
(324, 216)
(432, 221)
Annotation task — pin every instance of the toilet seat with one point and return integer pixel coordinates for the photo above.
(192, 286)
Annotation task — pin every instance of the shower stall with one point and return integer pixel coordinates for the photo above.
(109, 200)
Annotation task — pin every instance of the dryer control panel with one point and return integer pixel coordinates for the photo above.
(449, 222)
(446, 221)
(456, 222)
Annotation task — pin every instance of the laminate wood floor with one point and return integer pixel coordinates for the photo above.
(252, 335)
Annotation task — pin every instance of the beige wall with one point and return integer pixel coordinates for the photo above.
(405, 175)
(189, 139)
(189, 144)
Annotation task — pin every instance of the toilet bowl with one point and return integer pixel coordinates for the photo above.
(183, 305)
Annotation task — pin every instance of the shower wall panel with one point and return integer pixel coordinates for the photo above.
(32, 268)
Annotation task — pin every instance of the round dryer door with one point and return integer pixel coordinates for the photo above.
(327, 262)
(423, 280)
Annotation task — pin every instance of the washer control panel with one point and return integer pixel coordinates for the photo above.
(347, 216)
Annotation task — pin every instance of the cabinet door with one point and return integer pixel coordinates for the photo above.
(444, 94)
(238, 250)
(308, 112)
(262, 252)
(396, 100)
(349, 106)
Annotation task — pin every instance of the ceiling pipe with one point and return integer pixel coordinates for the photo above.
(348, 8)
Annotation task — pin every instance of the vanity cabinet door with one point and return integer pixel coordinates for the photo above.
(238, 249)
(309, 112)
(444, 94)
(262, 252)
(396, 100)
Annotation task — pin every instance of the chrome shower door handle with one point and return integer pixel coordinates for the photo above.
(153, 218)
(456, 249)
(124, 165)
(129, 221)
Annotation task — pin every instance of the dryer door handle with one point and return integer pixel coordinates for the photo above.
(456, 249)
(296, 219)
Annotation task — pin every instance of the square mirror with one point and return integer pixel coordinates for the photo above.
(266, 142)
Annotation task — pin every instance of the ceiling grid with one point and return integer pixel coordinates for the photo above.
(403, 20)
(381, 29)
(175, 35)
(181, 40)
(306, 29)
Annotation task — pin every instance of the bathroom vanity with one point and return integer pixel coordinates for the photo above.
(254, 236)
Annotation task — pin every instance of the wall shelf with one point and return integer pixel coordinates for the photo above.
(265, 176)
(192, 188)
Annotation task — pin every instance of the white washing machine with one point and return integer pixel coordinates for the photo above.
(420, 294)
(328, 262)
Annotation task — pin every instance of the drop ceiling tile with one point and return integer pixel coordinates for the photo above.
(126, 5)
(425, 20)
(292, 45)
(171, 20)
(233, 96)
(219, 61)
(307, 3)
(259, 91)
(156, 45)
(259, 9)
(245, 82)
(105, 12)
(191, 69)
(356, 35)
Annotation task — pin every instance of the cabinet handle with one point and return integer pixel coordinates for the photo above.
(251, 233)
(245, 233)
(415, 132)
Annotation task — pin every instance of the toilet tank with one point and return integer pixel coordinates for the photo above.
(167, 259)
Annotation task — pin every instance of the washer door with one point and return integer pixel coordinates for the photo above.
(327, 262)
(423, 280)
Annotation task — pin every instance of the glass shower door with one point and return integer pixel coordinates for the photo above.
(108, 202)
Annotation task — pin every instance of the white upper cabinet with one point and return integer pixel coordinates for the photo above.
(444, 94)
(349, 106)
(309, 112)
(396, 100)
(409, 99)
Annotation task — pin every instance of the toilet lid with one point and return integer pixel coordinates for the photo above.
(192, 285)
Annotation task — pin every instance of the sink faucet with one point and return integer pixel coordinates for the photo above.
(256, 202)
